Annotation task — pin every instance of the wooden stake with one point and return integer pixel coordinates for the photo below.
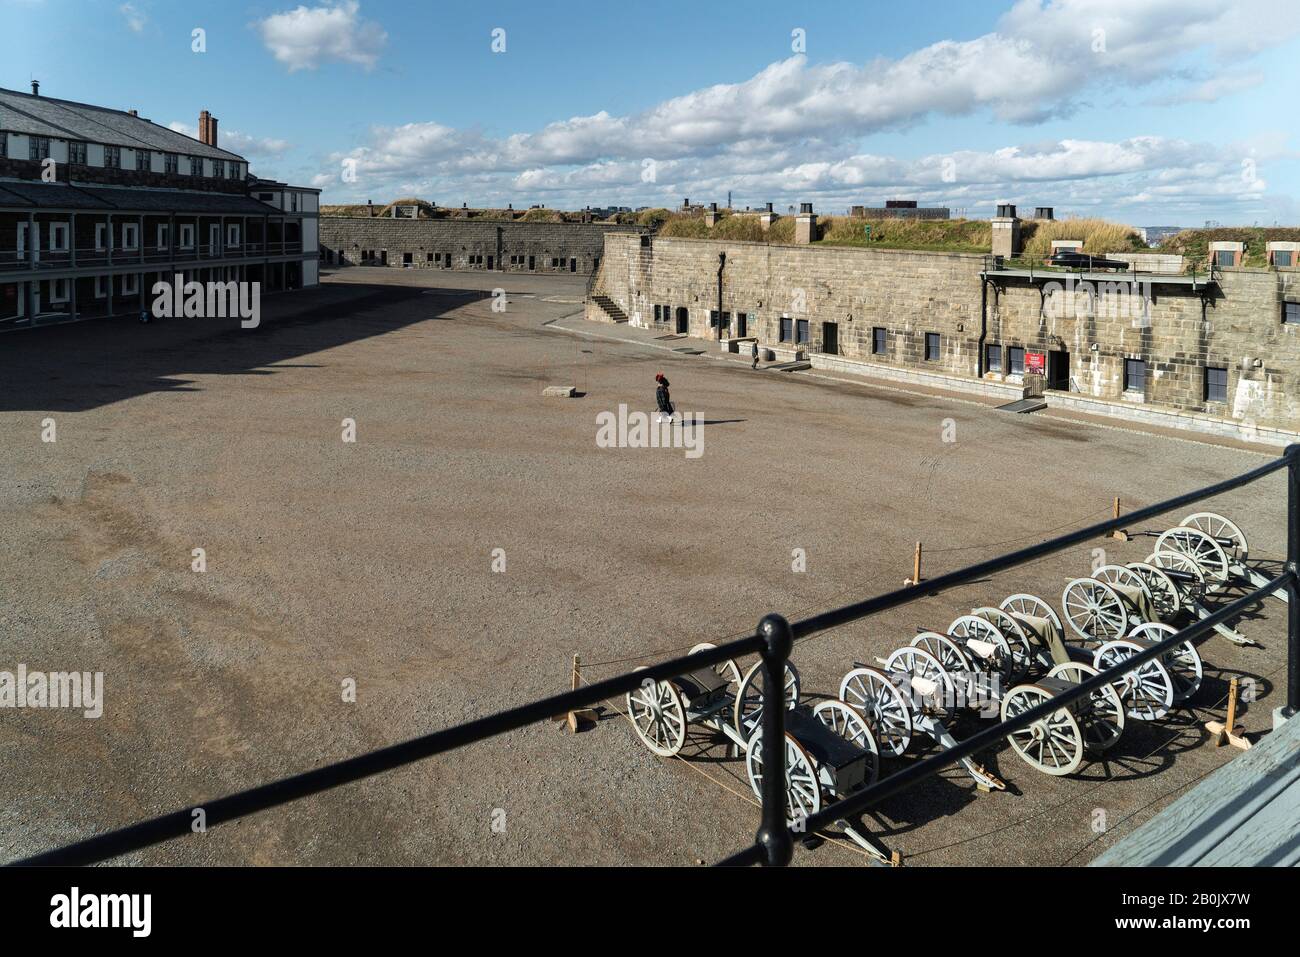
(1229, 731)
(916, 568)
(583, 717)
(1119, 533)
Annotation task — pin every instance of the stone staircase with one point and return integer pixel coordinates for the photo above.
(610, 308)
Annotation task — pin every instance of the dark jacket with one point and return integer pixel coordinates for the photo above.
(661, 398)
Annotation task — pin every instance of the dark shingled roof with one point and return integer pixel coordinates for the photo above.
(64, 119)
(108, 199)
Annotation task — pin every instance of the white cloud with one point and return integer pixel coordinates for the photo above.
(241, 143)
(1043, 61)
(305, 37)
(135, 18)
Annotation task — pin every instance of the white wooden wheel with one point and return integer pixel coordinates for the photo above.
(1190, 579)
(1054, 744)
(1094, 609)
(1202, 549)
(916, 663)
(1183, 661)
(882, 706)
(658, 716)
(1031, 606)
(1164, 592)
(1124, 576)
(1022, 646)
(1147, 691)
(950, 655)
(803, 793)
(1102, 716)
(727, 670)
(852, 727)
(974, 628)
(748, 709)
(1223, 530)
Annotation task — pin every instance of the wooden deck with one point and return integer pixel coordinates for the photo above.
(1246, 813)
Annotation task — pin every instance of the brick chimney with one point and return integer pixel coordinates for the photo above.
(207, 128)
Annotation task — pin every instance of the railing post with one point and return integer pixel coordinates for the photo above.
(1293, 583)
(774, 833)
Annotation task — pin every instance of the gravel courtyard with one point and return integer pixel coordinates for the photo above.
(330, 562)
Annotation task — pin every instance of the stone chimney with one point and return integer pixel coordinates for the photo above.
(207, 128)
(711, 215)
(36, 87)
(805, 224)
(1006, 232)
(1044, 212)
(767, 217)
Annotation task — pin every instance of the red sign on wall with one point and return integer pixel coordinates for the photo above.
(1035, 362)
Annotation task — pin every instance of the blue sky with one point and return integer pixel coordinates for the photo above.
(1150, 111)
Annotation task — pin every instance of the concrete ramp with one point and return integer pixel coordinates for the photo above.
(788, 366)
(1023, 406)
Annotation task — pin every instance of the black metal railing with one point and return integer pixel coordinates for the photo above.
(773, 640)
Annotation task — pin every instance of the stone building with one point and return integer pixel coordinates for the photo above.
(500, 245)
(1218, 352)
(96, 205)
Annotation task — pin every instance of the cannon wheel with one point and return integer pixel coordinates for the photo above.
(1148, 691)
(1054, 744)
(882, 706)
(803, 793)
(912, 662)
(1183, 662)
(850, 726)
(981, 629)
(1094, 610)
(1122, 575)
(1181, 562)
(748, 709)
(1220, 529)
(945, 649)
(658, 716)
(1102, 719)
(1022, 647)
(1200, 548)
(1031, 606)
(1163, 591)
(727, 670)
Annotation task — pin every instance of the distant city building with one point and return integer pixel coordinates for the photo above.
(1155, 235)
(900, 209)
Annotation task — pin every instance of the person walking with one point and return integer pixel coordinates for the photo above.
(662, 399)
(753, 351)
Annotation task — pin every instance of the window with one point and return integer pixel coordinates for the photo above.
(171, 163)
(1216, 384)
(801, 332)
(76, 153)
(130, 236)
(38, 147)
(1135, 375)
(879, 344)
(931, 346)
(162, 235)
(59, 237)
(1224, 257)
(293, 201)
(99, 287)
(993, 358)
(4, 144)
(112, 157)
(219, 169)
(60, 290)
(187, 235)
(1016, 360)
(101, 236)
(1281, 257)
(234, 171)
(196, 166)
(130, 285)
(232, 236)
(1291, 313)
(143, 161)
(787, 329)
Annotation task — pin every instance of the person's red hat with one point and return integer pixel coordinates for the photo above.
(659, 376)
